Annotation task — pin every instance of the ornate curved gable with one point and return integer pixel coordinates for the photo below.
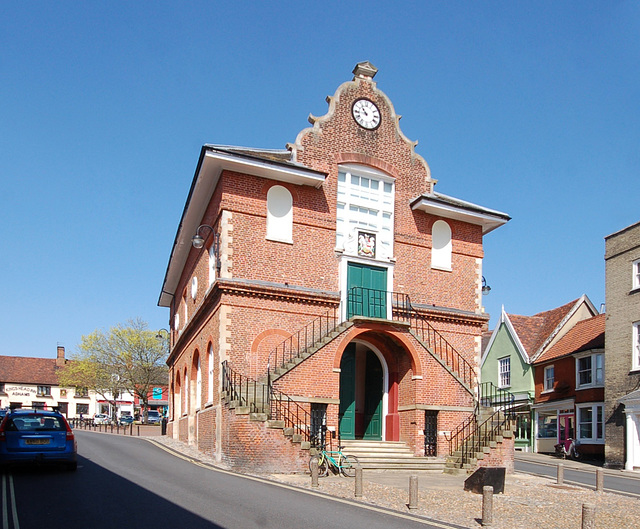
(337, 138)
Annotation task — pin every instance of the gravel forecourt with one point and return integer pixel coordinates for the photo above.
(529, 502)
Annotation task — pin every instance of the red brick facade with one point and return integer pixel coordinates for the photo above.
(265, 290)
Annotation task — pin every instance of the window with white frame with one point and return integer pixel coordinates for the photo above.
(636, 345)
(210, 378)
(441, 241)
(504, 372)
(636, 274)
(365, 202)
(549, 378)
(590, 370)
(590, 422)
(279, 214)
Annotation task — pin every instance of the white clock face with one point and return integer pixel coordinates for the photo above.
(366, 114)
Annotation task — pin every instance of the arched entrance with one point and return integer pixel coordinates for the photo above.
(363, 392)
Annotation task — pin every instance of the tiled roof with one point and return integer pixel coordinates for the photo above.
(585, 335)
(534, 330)
(25, 370)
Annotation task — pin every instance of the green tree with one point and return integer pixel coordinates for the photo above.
(128, 358)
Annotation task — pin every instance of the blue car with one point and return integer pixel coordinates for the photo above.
(37, 436)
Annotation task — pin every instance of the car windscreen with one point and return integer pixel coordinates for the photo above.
(35, 423)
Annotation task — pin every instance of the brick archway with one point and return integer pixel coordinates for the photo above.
(377, 337)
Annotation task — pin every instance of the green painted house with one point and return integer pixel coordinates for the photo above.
(514, 344)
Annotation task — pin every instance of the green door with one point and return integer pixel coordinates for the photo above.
(373, 398)
(366, 291)
(347, 411)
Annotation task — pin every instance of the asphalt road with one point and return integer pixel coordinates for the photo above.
(127, 482)
(582, 474)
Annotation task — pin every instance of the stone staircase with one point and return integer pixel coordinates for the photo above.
(490, 433)
(294, 359)
(390, 455)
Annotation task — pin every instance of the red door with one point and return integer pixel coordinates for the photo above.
(566, 429)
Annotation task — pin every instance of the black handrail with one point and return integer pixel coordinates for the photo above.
(441, 347)
(471, 436)
(262, 398)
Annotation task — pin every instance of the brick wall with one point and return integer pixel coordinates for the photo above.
(623, 309)
(267, 290)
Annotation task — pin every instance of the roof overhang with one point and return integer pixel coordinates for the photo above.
(213, 161)
(452, 208)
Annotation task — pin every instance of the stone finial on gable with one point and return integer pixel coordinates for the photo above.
(365, 70)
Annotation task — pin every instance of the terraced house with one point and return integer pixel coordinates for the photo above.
(325, 293)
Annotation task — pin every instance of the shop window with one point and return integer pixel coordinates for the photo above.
(591, 423)
(547, 425)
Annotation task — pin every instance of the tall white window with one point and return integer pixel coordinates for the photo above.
(590, 371)
(504, 372)
(210, 378)
(198, 402)
(365, 203)
(279, 214)
(636, 275)
(591, 422)
(636, 345)
(441, 241)
(549, 378)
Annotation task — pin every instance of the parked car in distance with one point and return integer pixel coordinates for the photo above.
(101, 418)
(154, 417)
(34, 436)
(125, 418)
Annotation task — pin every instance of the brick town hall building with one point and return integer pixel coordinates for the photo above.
(324, 290)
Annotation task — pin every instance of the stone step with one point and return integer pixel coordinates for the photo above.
(389, 455)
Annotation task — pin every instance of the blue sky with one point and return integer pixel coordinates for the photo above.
(531, 108)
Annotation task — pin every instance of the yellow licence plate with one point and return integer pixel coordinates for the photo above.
(37, 441)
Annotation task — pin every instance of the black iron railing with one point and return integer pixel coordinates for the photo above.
(441, 347)
(263, 398)
(302, 340)
(243, 390)
(491, 396)
(474, 434)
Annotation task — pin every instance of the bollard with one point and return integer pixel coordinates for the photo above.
(599, 480)
(358, 491)
(314, 472)
(487, 506)
(588, 516)
(413, 492)
(138, 431)
(560, 480)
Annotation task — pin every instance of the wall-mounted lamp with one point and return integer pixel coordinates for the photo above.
(159, 335)
(485, 288)
(198, 242)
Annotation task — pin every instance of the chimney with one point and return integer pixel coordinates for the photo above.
(60, 361)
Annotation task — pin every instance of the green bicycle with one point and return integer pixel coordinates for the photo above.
(336, 461)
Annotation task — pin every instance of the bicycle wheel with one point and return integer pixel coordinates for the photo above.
(349, 465)
(323, 468)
